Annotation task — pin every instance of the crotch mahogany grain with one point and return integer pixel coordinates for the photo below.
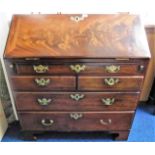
(60, 36)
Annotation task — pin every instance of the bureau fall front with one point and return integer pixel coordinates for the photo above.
(76, 72)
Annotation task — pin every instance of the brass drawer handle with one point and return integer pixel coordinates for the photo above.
(40, 68)
(112, 69)
(42, 82)
(111, 81)
(43, 101)
(108, 101)
(47, 122)
(77, 68)
(77, 97)
(76, 116)
(109, 121)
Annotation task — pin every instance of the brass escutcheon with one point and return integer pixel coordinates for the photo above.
(40, 68)
(77, 68)
(78, 18)
(112, 69)
(44, 101)
(42, 81)
(76, 116)
(77, 97)
(108, 101)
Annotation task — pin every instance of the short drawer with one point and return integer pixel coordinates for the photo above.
(75, 121)
(113, 83)
(40, 69)
(82, 68)
(76, 101)
(48, 83)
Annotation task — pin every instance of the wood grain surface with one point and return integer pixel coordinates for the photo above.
(89, 102)
(96, 83)
(89, 121)
(91, 36)
(27, 83)
(90, 68)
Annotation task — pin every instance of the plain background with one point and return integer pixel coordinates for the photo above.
(144, 7)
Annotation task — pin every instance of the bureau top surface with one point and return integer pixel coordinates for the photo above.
(77, 36)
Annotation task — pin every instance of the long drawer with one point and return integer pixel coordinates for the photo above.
(112, 83)
(75, 121)
(48, 83)
(107, 101)
(81, 68)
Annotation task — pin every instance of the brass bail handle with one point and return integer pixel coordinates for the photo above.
(76, 116)
(112, 69)
(77, 68)
(107, 122)
(111, 81)
(42, 81)
(47, 122)
(108, 101)
(44, 101)
(77, 97)
(40, 68)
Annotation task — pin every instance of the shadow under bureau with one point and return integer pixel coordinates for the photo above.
(76, 72)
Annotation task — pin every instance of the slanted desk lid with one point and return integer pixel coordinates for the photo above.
(77, 36)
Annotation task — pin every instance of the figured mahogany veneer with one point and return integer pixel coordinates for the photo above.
(95, 36)
(76, 72)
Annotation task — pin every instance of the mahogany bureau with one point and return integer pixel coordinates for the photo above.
(76, 73)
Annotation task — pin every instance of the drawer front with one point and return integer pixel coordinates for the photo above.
(75, 121)
(76, 101)
(48, 83)
(82, 68)
(106, 83)
(43, 69)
